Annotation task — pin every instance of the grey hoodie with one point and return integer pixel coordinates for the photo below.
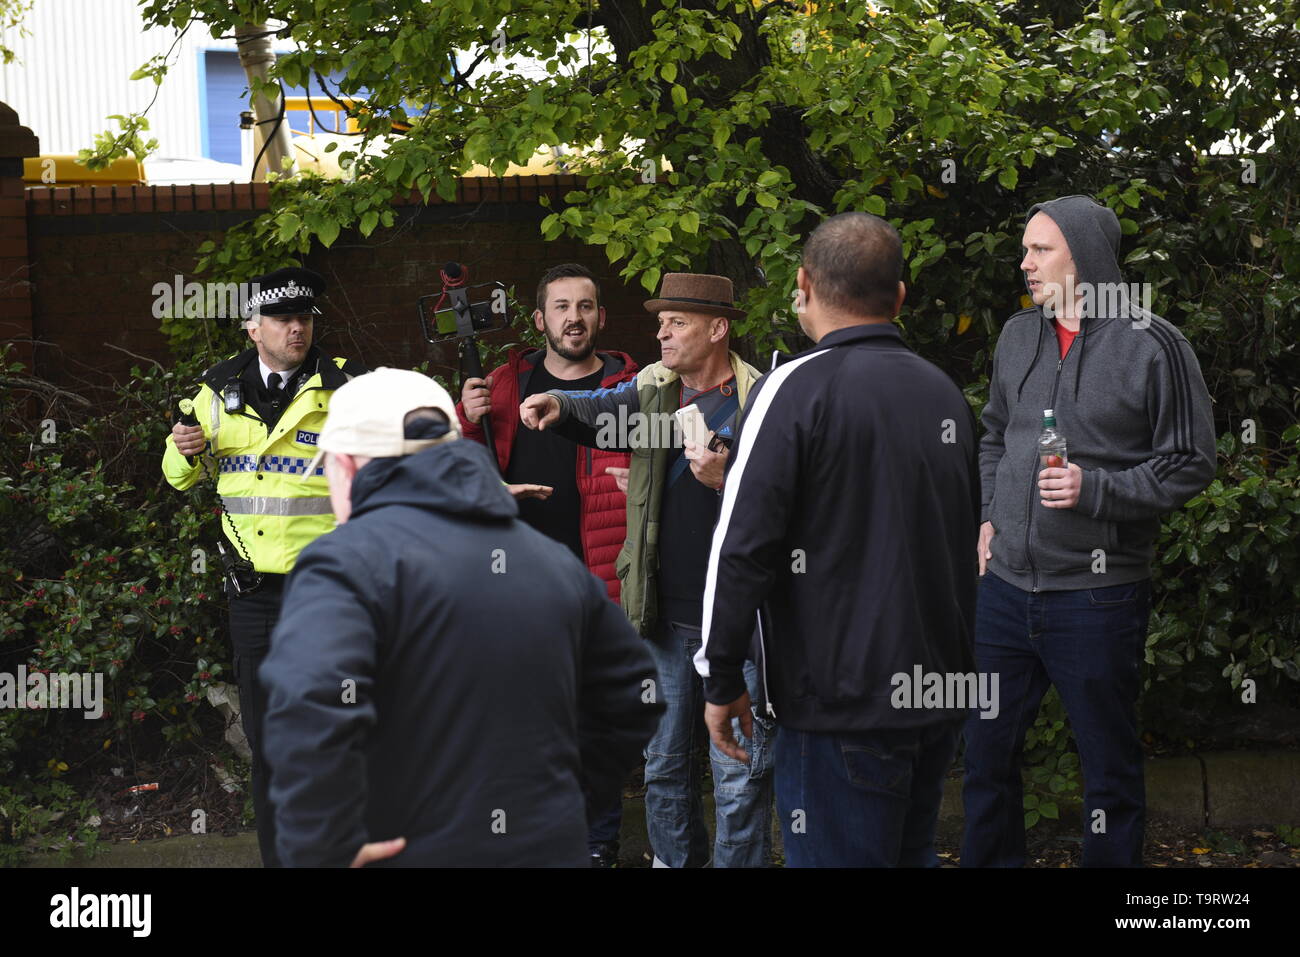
(1136, 417)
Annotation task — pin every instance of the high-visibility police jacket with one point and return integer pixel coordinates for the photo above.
(259, 469)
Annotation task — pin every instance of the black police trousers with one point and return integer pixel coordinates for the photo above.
(252, 619)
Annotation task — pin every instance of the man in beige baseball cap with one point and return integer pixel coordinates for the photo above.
(386, 414)
(444, 679)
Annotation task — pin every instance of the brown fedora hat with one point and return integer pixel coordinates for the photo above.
(696, 292)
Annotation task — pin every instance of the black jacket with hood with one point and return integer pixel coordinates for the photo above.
(1134, 410)
(444, 673)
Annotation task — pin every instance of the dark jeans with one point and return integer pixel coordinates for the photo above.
(862, 798)
(604, 818)
(1089, 644)
(252, 619)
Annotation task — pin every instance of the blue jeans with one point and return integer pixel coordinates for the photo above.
(862, 798)
(742, 793)
(1089, 644)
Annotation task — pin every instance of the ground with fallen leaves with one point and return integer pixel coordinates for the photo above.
(1167, 845)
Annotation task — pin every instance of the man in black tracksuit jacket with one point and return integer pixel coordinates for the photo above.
(441, 671)
(848, 512)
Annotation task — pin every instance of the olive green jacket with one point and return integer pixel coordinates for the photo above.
(656, 391)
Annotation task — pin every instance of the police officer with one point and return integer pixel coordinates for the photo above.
(260, 414)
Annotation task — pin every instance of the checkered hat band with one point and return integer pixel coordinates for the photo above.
(278, 293)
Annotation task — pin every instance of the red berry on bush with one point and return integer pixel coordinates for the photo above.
(137, 715)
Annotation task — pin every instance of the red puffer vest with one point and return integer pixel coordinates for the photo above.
(604, 507)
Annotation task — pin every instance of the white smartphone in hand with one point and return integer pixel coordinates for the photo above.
(694, 428)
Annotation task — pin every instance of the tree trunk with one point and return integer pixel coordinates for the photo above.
(256, 57)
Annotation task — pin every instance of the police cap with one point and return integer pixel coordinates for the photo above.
(286, 292)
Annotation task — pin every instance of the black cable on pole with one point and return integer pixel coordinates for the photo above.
(266, 140)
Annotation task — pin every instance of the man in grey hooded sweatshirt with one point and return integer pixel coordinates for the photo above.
(1065, 552)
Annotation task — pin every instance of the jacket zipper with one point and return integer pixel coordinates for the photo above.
(1033, 482)
(762, 645)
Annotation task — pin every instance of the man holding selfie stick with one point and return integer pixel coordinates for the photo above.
(579, 503)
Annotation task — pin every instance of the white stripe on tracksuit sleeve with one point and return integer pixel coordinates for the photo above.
(742, 483)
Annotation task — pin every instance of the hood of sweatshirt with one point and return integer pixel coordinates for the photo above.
(1092, 232)
(457, 477)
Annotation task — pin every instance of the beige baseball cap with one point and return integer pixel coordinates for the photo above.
(365, 415)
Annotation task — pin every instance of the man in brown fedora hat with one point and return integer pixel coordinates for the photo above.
(672, 498)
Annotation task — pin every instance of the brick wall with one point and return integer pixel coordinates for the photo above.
(96, 253)
(16, 143)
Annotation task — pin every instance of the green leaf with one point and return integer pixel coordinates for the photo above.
(679, 95)
(478, 149)
(288, 224)
(650, 279)
(690, 222)
(369, 220)
(669, 72)
(874, 205)
(328, 232)
(938, 44)
(766, 200)
(1008, 176)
